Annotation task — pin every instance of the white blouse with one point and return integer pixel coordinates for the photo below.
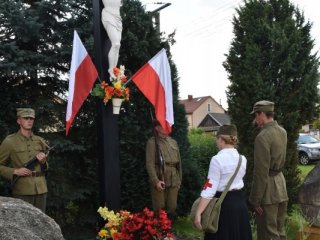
(222, 167)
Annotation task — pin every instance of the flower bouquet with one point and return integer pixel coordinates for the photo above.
(115, 90)
(144, 225)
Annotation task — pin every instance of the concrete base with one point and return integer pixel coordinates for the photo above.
(309, 233)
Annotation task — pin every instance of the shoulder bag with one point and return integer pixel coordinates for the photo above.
(210, 216)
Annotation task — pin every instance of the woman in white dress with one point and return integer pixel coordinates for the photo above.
(234, 218)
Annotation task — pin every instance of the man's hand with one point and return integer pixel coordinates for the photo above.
(258, 210)
(160, 186)
(22, 172)
(42, 157)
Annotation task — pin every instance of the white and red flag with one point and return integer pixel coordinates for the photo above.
(83, 74)
(154, 81)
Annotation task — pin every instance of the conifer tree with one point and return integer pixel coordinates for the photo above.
(271, 58)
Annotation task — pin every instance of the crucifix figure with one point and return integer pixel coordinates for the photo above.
(112, 23)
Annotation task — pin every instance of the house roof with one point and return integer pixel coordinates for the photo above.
(213, 121)
(191, 104)
(220, 118)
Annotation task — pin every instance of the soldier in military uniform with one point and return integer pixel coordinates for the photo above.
(268, 194)
(16, 150)
(164, 181)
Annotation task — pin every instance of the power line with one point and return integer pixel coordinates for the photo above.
(204, 24)
(215, 12)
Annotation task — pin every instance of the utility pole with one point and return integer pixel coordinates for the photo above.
(156, 14)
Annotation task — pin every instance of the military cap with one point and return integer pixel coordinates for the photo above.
(230, 130)
(263, 106)
(25, 112)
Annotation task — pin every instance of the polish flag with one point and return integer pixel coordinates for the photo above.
(154, 81)
(83, 74)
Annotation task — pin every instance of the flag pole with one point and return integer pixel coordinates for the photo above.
(129, 81)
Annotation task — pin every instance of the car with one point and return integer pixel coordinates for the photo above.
(308, 148)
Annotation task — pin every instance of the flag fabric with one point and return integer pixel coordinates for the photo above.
(83, 74)
(154, 81)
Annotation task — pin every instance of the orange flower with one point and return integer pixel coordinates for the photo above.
(116, 71)
(103, 84)
(127, 93)
(123, 79)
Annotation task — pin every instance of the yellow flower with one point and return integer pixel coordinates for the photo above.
(103, 212)
(103, 233)
(113, 222)
(117, 85)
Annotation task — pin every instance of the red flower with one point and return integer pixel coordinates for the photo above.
(145, 225)
(123, 79)
(117, 92)
(151, 230)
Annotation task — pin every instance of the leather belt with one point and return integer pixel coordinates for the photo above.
(37, 174)
(171, 164)
(273, 173)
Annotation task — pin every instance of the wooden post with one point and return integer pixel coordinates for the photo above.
(309, 233)
(107, 122)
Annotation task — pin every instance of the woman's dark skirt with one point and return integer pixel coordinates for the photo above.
(234, 221)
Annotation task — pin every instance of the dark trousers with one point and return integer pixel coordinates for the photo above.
(39, 200)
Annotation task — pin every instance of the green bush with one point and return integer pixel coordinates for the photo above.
(202, 148)
(195, 168)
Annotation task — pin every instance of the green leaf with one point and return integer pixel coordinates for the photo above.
(97, 91)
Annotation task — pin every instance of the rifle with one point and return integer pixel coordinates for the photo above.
(159, 157)
(30, 165)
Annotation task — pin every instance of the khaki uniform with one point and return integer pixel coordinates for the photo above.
(166, 199)
(15, 151)
(269, 185)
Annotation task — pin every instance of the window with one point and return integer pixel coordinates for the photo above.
(209, 107)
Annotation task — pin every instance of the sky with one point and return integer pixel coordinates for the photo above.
(203, 36)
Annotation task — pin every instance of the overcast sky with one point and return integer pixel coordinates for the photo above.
(203, 36)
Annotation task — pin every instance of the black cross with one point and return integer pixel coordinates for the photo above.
(107, 122)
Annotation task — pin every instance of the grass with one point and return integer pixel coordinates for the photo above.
(305, 170)
(296, 222)
(183, 229)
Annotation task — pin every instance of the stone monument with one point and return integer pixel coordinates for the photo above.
(20, 220)
(309, 201)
